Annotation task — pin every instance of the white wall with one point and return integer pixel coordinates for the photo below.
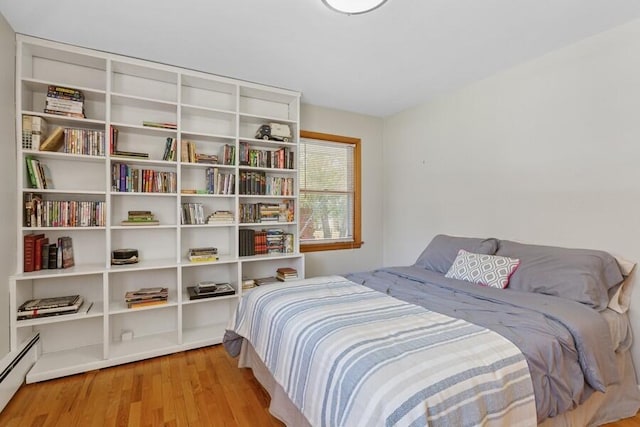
(369, 130)
(7, 175)
(547, 152)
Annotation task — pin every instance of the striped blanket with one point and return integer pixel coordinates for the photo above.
(350, 356)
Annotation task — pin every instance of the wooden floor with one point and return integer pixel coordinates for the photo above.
(201, 387)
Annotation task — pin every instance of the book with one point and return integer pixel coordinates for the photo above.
(83, 308)
(29, 250)
(65, 243)
(208, 250)
(205, 286)
(140, 222)
(261, 281)
(49, 302)
(119, 153)
(54, 141)
(65, 92)
(58, 309)
(141, 304)
(160, 125)
(37, 256)
(221, 290)
(44, 256)
(203, 258)
(53, 256)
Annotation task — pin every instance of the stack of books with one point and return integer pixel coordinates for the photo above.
(269, 212)
(275, 241)
(64, 101)
(284, 274)
(146, 297)
(203, 254)
(209, 289)
(248, 284)
(210, 159)
(220, 216)
(55, 306)
(140, 218)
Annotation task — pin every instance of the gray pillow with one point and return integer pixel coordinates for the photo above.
(581, 275)
(443, 250)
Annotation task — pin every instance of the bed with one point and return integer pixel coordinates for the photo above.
(475, 332)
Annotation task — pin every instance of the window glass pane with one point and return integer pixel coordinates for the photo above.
(326, 216)
(326, 167)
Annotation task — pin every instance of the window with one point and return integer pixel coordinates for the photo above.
(329, 192)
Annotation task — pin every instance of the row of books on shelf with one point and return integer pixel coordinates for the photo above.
(39, 252)
(38, 135)
(38, 174)
(193, 214)
(126, 178)
(282, 158)
(258, 183)
(260, 242)
(53, 306)
(76, 141)
(64, 101)
(217, 182)
(267, 212)
(62, 213)
(188, 154)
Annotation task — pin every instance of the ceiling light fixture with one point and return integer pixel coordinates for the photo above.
(353, 7)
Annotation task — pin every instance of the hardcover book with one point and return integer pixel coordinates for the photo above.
(221, 290)
(54, 141)
(48, 303)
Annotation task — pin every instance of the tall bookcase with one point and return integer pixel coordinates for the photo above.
(211, 112)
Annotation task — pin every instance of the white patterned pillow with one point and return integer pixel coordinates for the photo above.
(488, 270)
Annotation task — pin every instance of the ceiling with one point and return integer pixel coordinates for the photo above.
(396, 57)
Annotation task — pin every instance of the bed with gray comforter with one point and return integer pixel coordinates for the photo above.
(550, 309)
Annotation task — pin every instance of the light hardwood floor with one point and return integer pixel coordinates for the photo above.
(202, 387)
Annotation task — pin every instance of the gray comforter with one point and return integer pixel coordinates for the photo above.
(567, 344)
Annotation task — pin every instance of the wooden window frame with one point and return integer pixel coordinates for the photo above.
(357, 241)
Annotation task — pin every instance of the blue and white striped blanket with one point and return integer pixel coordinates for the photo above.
(350, 356)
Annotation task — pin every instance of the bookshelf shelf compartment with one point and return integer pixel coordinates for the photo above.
(144, 347)
(66, 362)
(209, 117)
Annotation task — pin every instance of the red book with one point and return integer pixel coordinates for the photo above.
(29, 251)
(37, 264)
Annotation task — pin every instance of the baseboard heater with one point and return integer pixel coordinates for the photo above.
(15, 366)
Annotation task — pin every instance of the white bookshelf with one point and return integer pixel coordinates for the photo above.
(208, 110)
